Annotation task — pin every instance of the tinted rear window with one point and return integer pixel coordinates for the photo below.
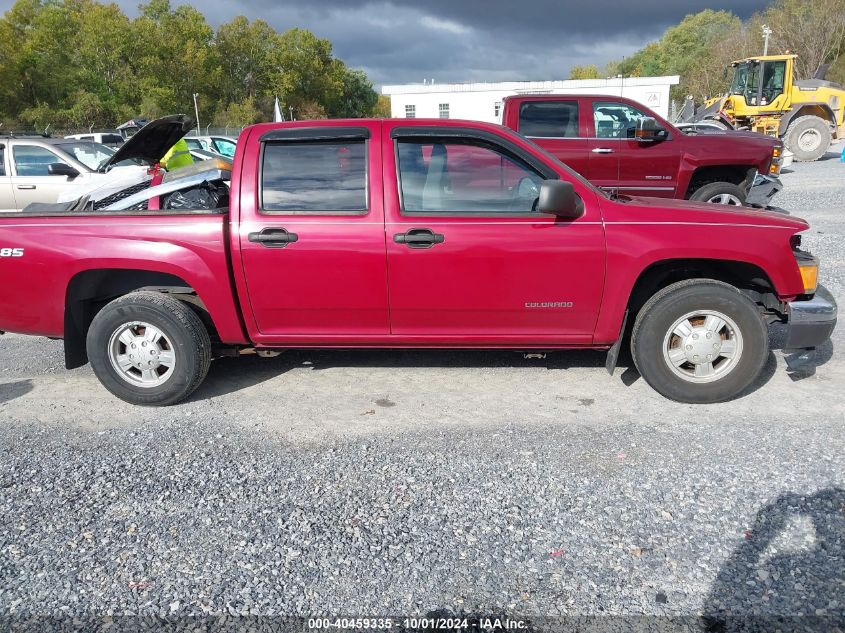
(314, 177)
(549, 119)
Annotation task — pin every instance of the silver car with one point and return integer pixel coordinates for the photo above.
(39, 169)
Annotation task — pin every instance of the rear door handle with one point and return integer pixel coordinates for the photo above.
(602, 150)
(26, 186)
(273, 237)
(419, 238)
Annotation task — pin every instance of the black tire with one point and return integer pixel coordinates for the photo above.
(712, 191)
(664, 309)
(183, 330)
(804, 125)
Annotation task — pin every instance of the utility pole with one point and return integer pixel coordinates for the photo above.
(766, 32)
(197, 112)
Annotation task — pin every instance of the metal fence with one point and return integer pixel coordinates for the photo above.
(208, 130)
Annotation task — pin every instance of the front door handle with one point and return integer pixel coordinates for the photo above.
(273, 237)
(26, 186)
(602, 150)
(419, 238)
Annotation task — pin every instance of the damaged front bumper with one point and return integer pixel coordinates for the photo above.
(810, 322)
(763, 189)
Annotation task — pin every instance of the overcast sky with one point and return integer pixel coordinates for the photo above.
(470, 40)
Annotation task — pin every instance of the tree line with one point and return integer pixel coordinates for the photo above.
(702, 45)
(83, 64)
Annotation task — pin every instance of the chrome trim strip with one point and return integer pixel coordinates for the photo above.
(640, 188)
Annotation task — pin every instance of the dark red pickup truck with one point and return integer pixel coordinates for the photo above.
(620, 145)
(409, 234)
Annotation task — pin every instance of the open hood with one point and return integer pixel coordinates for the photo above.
(152, 141)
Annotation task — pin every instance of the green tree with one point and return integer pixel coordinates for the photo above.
(382, 108)
(814, 29)
(244, 53)
(357, 97)
(83, 63)
(306, 71)
(590, 71)
(172, 49)
(697, 49)
(238, 114)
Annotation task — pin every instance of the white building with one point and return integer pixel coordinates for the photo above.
(483, 101)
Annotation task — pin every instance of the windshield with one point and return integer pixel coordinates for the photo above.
(93, 155)
(90, 154)
(739, 80)
(746, 81)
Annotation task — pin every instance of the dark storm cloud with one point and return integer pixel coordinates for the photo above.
(471, 40)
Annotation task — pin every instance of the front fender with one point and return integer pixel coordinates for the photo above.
(635, 247)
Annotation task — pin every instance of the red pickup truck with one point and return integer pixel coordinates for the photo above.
(620, 145)
(409, 234)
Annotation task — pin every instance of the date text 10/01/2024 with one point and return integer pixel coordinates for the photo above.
(419, 623)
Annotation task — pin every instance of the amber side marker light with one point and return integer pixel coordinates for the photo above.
(810, 276)
(776, 161)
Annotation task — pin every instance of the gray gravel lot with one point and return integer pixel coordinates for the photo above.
(409, 482)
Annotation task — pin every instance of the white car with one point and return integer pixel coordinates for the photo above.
(110, 139)
(45, 170)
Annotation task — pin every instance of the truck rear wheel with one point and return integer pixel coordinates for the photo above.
(808, 137)
(699, 341)
(148, 348)
(720, 193)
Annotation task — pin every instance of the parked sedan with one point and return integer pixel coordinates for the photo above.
(39, 169)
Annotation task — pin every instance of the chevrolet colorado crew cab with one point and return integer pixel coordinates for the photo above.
(409, 234)
(622, 146)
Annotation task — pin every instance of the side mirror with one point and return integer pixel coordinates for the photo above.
(648, 131)
(62, 169)
(558, 197)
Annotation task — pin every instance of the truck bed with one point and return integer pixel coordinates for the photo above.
(49, 260)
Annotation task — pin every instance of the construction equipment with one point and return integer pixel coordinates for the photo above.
(764, 97)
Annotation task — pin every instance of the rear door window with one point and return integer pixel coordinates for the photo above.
(32, 160)
(314, 177)
(549, 119)
(2, 161)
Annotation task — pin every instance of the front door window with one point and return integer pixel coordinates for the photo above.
(32, 160)
(614, 120)
(458, 177)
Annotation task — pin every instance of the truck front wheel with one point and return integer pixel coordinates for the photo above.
(808, 137)
(720, 193)
(699, 341)
(148, 348)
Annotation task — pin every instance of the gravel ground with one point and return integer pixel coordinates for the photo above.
(388, 483)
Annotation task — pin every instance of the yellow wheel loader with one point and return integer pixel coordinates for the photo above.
(764, 97)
